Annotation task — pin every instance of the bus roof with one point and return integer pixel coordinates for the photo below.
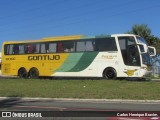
(70, 37)
(113, 35)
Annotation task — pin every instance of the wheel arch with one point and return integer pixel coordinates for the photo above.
(20, 69)
(107, 69)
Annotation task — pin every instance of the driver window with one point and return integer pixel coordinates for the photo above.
(133, 56)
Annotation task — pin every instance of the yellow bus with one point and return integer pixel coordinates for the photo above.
(108, 56)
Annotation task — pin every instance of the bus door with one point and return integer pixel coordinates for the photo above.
(130, 55)
(133, 61)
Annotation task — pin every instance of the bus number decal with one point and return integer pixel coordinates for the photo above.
(10, 58)
(44, 57)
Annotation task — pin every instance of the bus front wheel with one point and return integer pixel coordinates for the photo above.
(109, 73)
(33, 73)
(22, 73)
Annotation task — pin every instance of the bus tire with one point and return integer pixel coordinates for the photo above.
(109, 73)
(22, 73)
(33, 73)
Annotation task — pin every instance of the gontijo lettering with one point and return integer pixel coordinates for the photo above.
(44, 57)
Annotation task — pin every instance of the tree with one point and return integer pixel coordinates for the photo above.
(141, 30)
(154, 41)
(145, 32)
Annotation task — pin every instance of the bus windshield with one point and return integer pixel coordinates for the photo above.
(146, 59)
(141, 40)
(145, 55)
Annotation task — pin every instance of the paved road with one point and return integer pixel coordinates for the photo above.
(71, 105)
(18, 104)
(62, 105)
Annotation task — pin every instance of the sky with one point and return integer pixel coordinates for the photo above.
(36, 19)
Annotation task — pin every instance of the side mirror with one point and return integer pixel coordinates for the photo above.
(152, 51)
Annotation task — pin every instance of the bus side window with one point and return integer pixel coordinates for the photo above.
(16, 49)
(52, 47)
(90, 46)
(80, 46)
(6, 49)
(21, 49)
(106, 44)
(36, 48)
(69, 46)
(11, 50)
(43, 48)
(26, 48)
(59, 47)
(29, 48)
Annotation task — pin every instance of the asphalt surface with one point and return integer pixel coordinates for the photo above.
(50, 105)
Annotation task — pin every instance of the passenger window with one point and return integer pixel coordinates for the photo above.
(85, 46)
(29, 49)
(43, 48)
(36, 48)
(52, 47)
(81, 46)
(90, 46)
(59, 47)
(69, 46)
(21, 49)
(16, 49)
(8, 49)
(106, 44)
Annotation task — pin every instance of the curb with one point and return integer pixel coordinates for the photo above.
(85, 100)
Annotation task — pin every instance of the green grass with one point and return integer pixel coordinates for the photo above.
(99, 89)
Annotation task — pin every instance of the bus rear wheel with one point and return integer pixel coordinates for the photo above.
(33, 73)
(109, 73)
(22, 73)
